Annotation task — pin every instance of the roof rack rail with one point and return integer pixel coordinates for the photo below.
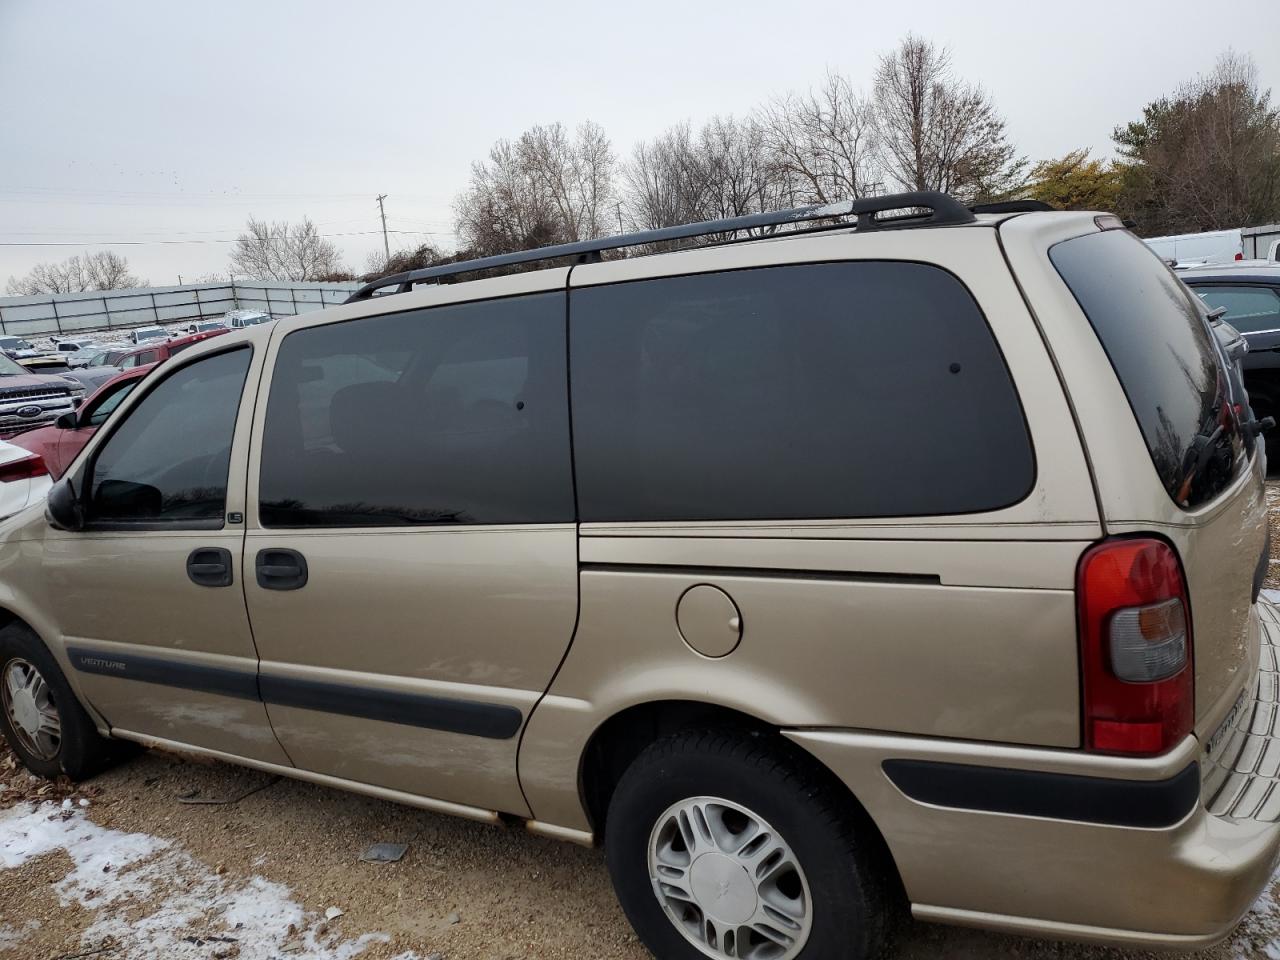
(942, 210)
(1012, 206)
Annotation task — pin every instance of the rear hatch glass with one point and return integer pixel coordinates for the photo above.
(1166, 358)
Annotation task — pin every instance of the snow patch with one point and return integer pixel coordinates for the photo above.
(160, 903)
(13, 935)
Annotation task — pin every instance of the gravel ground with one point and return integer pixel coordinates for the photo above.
(122, 868)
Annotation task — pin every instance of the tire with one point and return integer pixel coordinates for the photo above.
(77, 750)
(829, 875)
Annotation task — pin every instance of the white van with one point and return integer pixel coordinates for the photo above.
(1195, 249)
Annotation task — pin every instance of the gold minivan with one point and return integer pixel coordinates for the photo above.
(906, 560)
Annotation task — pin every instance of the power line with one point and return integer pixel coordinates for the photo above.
(141, 243)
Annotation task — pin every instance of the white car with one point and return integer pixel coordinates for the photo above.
(24, 478)
(148, 335)
(76, 352)
(239, 319)
(203, 326)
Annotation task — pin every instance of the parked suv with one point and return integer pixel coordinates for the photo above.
(146, 356)
(803, 573)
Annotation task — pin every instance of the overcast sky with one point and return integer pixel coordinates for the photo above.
(175, 121)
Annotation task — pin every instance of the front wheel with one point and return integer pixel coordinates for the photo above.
(39, 714)
(728, 845)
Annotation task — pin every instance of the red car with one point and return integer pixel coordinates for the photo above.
(159, 352)
(58, 444)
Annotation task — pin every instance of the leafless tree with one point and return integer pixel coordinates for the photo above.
(104, 270)
(284, 251)
(825, 142)
(938, 132)
(665, 180)
(545, 187)
(723, 170)
(741, 176)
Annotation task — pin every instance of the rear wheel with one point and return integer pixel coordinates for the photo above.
(40, 715)
(728, 845)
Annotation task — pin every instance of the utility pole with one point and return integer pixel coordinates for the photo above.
(386, 247)
(619, 206)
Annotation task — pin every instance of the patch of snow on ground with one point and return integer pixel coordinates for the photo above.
(1259, 932)
(12, 934)
(157, 902)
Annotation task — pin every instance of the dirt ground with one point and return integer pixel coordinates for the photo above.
(123, 869)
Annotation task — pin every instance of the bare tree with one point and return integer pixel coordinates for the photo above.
(284, 251)
(724, 170)
(543, 188)
(937, 132)
(741, 176)
(104, 270)
(825, 142)
(665, 180)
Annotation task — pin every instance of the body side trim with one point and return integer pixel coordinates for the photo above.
(241, 684)
(489, 720)
(1059, 796)
(768, 573)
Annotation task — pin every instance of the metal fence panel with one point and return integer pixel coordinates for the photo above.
(101, 310)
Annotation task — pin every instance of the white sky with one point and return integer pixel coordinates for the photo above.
(156, 120)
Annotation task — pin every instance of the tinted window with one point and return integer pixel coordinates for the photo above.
(1164, 356)
(105, 405)
(168, 460)
(455, 414)
(1249, 309)
(827, 390)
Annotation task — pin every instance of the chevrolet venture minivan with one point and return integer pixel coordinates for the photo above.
(888, 552)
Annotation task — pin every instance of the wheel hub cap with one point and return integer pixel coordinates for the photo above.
(729, 882)
(723, 888)
(29, 707)
(25, 714)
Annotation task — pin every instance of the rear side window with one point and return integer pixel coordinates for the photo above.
(836, 390)
(451, 415)
(1249, 309)
(1164, 356)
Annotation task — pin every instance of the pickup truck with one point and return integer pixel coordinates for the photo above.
(29, 400)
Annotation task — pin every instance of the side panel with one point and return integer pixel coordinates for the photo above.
(957, 626)
(122, 607)
(412, 654)
(404, 643)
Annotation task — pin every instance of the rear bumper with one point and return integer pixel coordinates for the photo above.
(1170, 851)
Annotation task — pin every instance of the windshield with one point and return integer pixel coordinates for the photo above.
(10, 368)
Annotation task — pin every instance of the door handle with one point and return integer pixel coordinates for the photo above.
(281, 569)
(210, 567)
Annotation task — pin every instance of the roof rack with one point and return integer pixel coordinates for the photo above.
(942, 210)
(1012, 206)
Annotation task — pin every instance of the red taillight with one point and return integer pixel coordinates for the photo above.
(1135, 647)
(1239, 256)
(32, 465)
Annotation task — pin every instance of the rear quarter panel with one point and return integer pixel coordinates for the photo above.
(1219, 543)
